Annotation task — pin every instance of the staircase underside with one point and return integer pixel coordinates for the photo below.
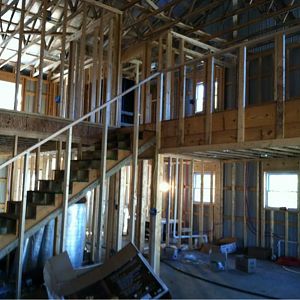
(9, 242)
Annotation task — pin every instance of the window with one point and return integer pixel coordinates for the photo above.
(8, 89)
(216, 96)
(208, 187)
(281, 190)
(199, 105)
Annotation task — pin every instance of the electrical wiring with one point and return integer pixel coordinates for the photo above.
(217, 283)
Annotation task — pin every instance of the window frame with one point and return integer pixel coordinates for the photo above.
(266, 191)
(211, 189)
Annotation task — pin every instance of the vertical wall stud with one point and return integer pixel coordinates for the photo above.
(66, 185)
(209, 98)
(21, 227)
(242, 94)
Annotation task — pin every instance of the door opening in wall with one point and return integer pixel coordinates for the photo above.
(8, 91)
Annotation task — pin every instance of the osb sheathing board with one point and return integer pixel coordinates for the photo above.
(260, 122)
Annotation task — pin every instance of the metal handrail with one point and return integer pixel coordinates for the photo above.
(64, 129)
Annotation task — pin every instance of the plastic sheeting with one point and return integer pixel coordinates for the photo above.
(76, 233)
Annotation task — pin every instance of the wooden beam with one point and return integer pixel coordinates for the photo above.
(18, 75)
(169, 199)
(191, 202)
(135, 175)
(104, 6)
(210, 84)
(182, 99)
(168, 86)
(241, 94)
(233, 197)
(38, 108)
(279, 83)
(180, 200)
(156, 206)
(71, 84)
(95, 71)
(66, 188)
(21, 227)
(106, 120)
(63, 103)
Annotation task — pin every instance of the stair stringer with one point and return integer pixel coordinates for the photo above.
(12, 240)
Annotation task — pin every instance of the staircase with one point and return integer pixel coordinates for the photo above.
(45, 203)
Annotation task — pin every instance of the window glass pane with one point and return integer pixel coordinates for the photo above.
(197, 180)
(197, 195)
(206, 195)
(199, 97)
(281, 190)
(8, 89)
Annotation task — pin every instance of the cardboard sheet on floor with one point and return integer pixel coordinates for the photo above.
(125, 275)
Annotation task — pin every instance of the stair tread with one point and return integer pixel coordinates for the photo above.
(5, 215)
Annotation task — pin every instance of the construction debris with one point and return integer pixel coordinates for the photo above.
(125, 275)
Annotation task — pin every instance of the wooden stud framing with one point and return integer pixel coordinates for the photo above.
(180, 200)
(169, 199)
(257, 216)
(286, 233)
(167, 102)
(211, 207)
(71, 85)
(80, 87)
(272, 230)
(95, 70)
(209, 99)
(201, 204)
(245, 196)
(241, 94)
(42, 53)
(135, 175)
(176, 180)
(182, 85)
(66, 188)
(143, 205)
(100, 68)
(279, 83)
(156, 206)
(262, 207)
(62, 62)
(21, 35)
(21, 227)
(13, 174)
(106, 120)
(233, 198)
(191, 202)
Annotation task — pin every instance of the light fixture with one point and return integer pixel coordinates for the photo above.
(164, 186)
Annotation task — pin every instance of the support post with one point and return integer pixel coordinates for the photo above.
(182, 84)
(233, 198)
(21, 227)
(134, 180)
(62, 62)
(245, 197)
(168, 84)
(180, 201)
(18, 74)
(42, 53)
(191, 198)
(169, 199)
(66, 186)
(242, 94)
(279, 84)
(209, 99)
(143, 205)
(156, 206)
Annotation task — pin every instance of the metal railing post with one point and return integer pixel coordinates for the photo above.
(134, 181)
(66, 185)
(21, 227)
